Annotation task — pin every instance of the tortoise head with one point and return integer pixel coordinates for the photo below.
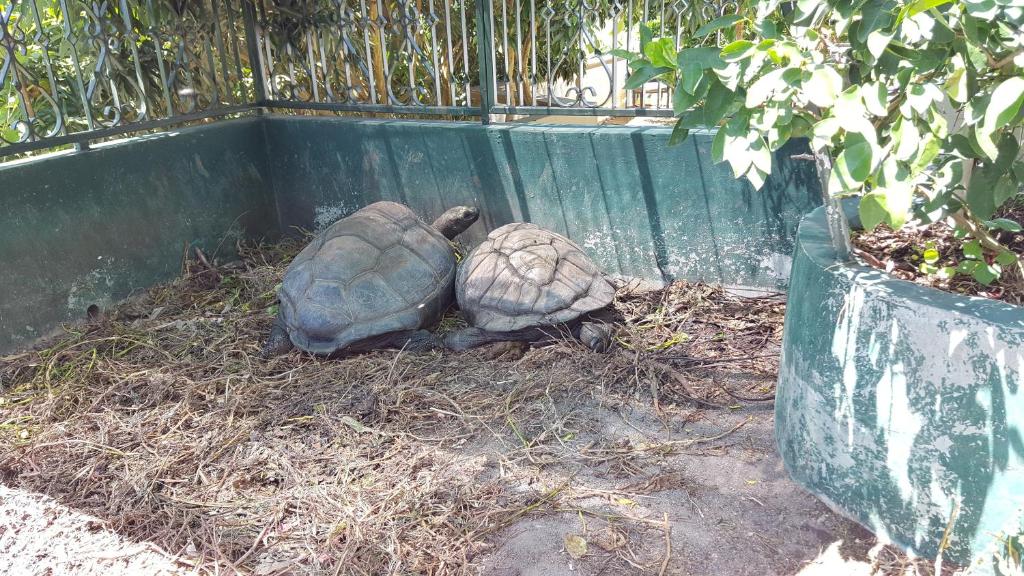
(455, 220)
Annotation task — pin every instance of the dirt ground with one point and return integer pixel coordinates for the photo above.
(155, 438)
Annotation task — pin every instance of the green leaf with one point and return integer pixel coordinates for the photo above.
(681, 99)
(643, 75)
(877, 43)
(824, 131)
(718, 146)
(765, 86)
(889, 204)
(1003, 107)
(1009, 149)
(768, 28)
(823, 86)
(931, 256)
(875, 98)
(967, 266)
(661, 52)
(985, 273)
(973, 250)
(717, 103)
(872, 210)
(737, 50)
(906, 138)
(1006, 258)
(927, 152)
(1004, 224)
(761, 156)
(778, 136)
(691, 76)
(736, 144)
(855, 159)
(757, 177)
(717, 24)
(646, 35)
(956, 82)
(915, 8)
(921, 96)
(704, 57)
(624, 54)
(981, 198)
(1006, 188)
(679, 133)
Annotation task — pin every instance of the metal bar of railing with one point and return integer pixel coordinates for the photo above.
(582, 111)
(484, 10)
(253, 50)
(373, 108)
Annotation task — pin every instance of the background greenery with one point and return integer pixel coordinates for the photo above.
(917, 103)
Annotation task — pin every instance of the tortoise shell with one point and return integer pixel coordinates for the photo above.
(523, 276)
(379, 270)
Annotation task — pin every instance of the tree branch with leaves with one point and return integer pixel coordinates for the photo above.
(918, 103)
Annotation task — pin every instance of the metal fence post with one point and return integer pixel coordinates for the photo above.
(255, 60)
(485, 53)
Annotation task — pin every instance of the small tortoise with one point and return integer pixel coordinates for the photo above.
(374, 279)
(522, 283)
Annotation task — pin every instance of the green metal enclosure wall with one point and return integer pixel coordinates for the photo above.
(637, 205)
(901, 405)
(96, 226)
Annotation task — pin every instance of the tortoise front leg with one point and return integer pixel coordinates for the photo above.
(410, 340)
(472, 337)
(278, 342)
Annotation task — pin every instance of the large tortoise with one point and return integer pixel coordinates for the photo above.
(525, 283)
(374, 279)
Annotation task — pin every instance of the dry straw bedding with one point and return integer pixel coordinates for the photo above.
(161, 418)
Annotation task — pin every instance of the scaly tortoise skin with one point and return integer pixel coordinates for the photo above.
(524, 277)
(378, 273)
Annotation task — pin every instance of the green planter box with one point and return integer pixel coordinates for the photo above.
(900, 405)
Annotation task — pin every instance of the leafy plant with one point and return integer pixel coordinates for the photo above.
(916, 102)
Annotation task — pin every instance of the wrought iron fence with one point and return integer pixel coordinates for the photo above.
(557, 57)
(462, 57)
(77, 70)
(405, 56)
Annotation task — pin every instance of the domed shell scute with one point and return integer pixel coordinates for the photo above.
(523, 275)
(380, 270)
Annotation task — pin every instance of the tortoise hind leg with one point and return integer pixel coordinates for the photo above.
(597, 337)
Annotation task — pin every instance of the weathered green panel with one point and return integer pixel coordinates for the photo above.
(637, 205)
(902, 405)
(93, 227)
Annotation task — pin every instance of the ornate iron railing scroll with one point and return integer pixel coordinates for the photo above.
(76, 70)
(370, 55)
(434, 56)
(554, 57)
